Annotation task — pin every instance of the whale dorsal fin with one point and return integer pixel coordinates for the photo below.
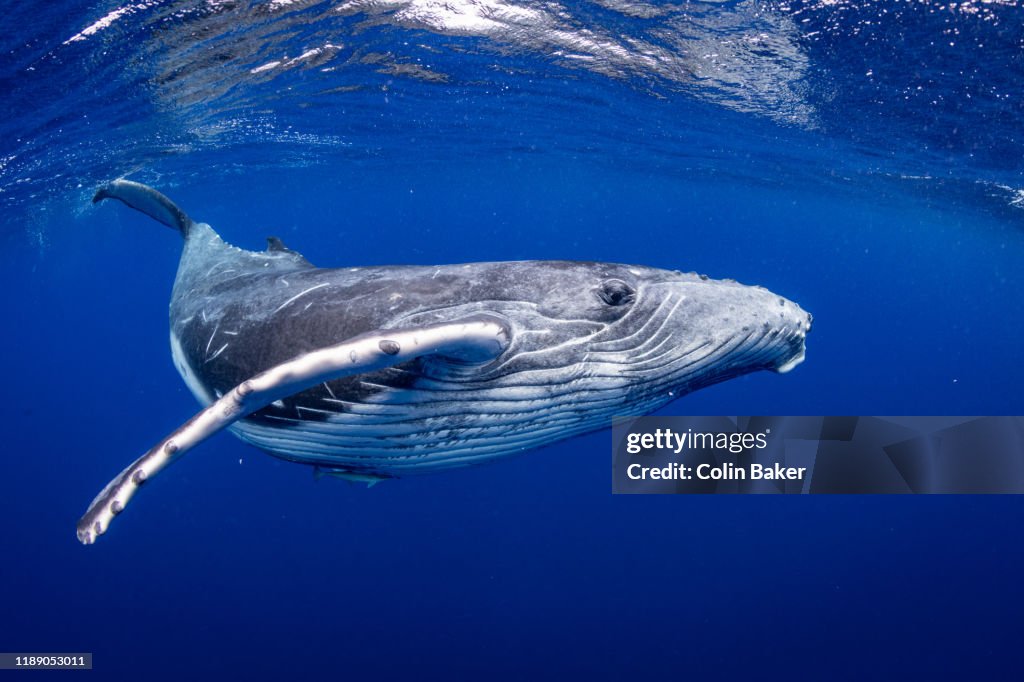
(275, 245)
(475, 339)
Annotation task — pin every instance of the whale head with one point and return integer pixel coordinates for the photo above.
(603, 338)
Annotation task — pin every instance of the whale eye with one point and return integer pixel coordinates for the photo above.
(616, 292)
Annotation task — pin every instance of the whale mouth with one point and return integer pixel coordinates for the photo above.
(797, 339)
(789, 364)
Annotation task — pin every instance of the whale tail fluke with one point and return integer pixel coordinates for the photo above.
(147, 200)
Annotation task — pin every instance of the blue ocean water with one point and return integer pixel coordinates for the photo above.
(863, 159)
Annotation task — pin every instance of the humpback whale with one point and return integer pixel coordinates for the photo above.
(384, 371)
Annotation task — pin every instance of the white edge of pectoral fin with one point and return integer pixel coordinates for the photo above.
(478, 339)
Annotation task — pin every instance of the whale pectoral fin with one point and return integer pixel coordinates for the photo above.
(351, 476)
(147, 200)
(475, 339)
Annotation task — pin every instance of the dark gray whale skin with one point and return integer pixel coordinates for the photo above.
(514, 355)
